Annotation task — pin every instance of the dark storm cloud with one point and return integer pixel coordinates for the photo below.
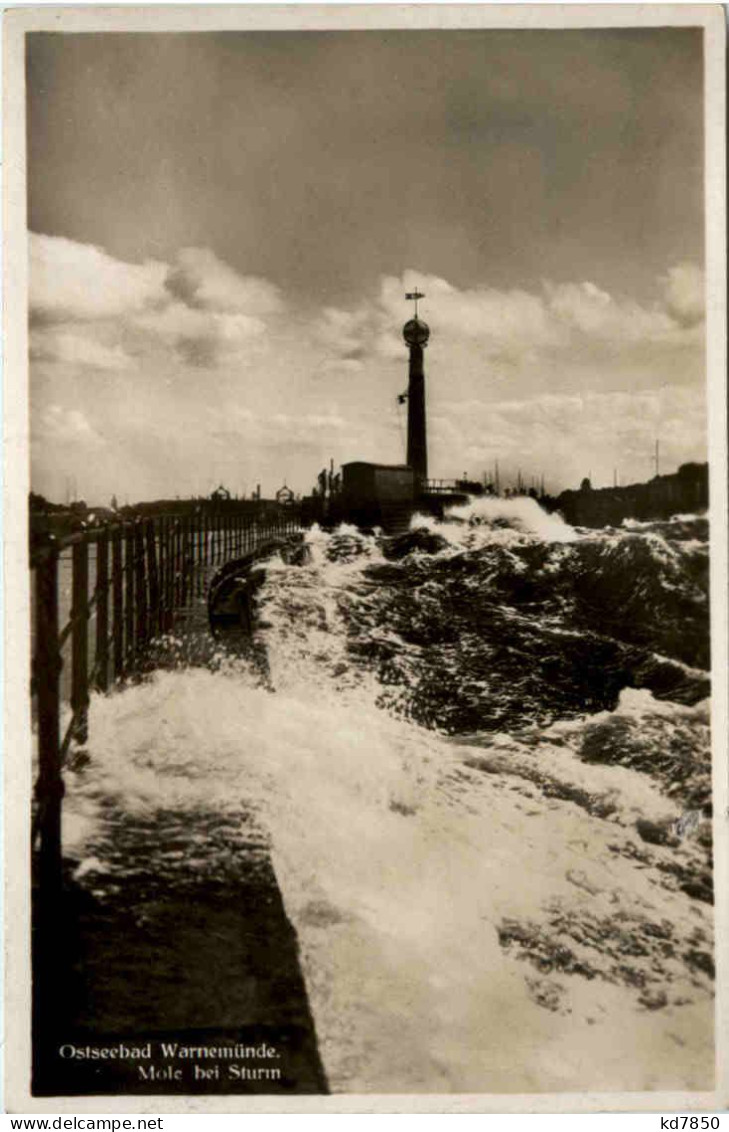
(322, 160)
(200, 352)
(180, 286)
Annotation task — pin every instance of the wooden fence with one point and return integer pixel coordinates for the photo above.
(142, 573)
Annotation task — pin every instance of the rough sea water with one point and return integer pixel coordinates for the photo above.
(478, 754)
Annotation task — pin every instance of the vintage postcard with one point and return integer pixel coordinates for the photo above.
(365, 558)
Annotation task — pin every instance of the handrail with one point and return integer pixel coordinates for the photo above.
(145, 572)
(226, 512)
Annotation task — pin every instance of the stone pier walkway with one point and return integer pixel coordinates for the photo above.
(179, 943)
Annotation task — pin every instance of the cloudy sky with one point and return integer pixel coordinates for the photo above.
(223, 228)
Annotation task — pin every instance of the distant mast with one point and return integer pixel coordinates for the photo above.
(416, 334)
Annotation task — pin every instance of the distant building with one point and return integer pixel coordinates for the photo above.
(684, 491)
(284, 496)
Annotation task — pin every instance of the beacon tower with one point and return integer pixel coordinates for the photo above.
(416, 334)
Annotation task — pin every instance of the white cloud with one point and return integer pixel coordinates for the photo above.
(341, 367)
(203, 282)
(58, 425)
(276, 429)
(595, 314)
(199, 308)
(206, 378)
(77, 350)
(71, 281)
(562, 326)
(343, 332)
(567, 436)
(492, 318)
(684, 291)
(198, 337)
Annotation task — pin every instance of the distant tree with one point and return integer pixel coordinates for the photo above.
(586, 485)
(692, 470)
(114, 503)
(38, 502)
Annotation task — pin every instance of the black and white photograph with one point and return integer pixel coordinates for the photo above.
(368, 457)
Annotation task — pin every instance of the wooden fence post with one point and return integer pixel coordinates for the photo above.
(49, 787)
(170, 569)
(155, 605)
(47, 906)
(200, 553)
(185, 559)
(101, 660)
(80, 641)
(174, 566)
(117, 598)
(168, 573)
(140, 586)
(129, 638)
(162, 572)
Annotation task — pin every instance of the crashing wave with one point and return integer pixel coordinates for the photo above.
(471, 761)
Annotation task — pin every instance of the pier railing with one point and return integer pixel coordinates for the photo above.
(100, 597)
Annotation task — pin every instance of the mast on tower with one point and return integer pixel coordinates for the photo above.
(416, 334)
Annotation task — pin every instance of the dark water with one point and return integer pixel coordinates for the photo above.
(504, 619)
(467, 750)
